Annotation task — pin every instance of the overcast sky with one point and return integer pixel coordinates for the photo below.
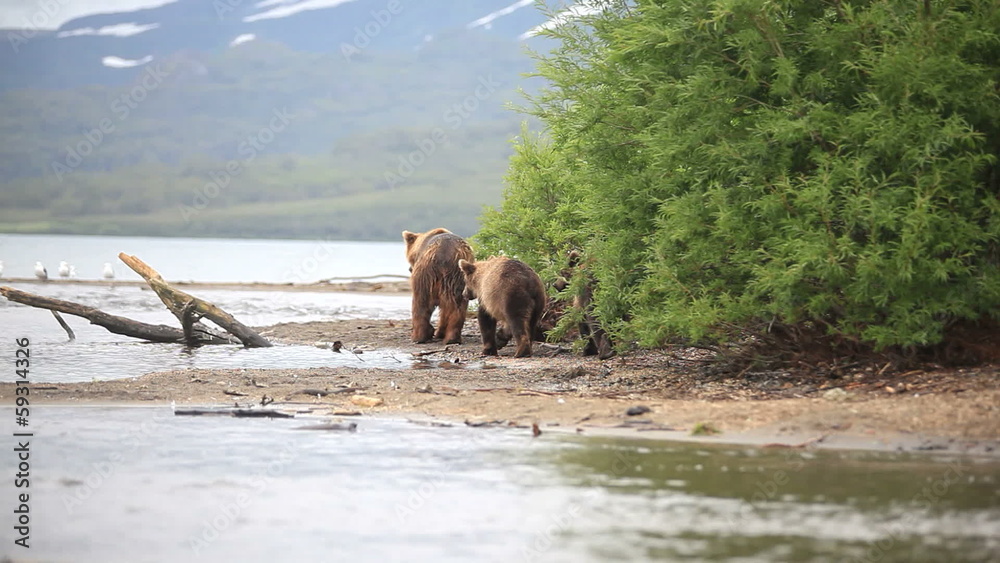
(50, 14)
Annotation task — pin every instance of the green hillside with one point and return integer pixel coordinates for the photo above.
(263, 141)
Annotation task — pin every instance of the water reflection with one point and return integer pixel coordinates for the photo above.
(137, 484)
(723, 503)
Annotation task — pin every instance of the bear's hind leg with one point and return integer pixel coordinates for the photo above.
(443, 319)
(452, 321)
(488, 328)
(520, 328)
(420, 314)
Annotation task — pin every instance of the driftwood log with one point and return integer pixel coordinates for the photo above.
(185, 307)
(114, 323)
(231, 411)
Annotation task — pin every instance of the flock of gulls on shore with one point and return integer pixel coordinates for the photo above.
(66, 271)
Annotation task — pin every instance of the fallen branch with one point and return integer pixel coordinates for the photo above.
(63, 324)
(231, 411)
(113, 323)
(261, 413)
(175, 300)
(349, 427)
(324, 392)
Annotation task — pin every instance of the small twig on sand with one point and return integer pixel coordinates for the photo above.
(702, 360)
(808, 442)
(558, 348)
(430, 352)
(538, 392)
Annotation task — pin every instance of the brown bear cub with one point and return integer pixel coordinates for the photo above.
(508, 291)
(436, 281)
(597, 340)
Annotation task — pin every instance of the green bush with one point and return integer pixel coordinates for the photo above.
(733, 165)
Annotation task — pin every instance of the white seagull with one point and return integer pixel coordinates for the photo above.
(40, 271)
(72, 271)
(63, 269)
(109, 272)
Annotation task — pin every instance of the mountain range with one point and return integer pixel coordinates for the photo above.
(331, 118)
(99, 49)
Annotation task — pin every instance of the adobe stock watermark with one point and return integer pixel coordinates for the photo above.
(928, 497)
(248, 149)
(420, 495)
(363, 35)
(454, 117)
(305, 271)
(122, 107)
(766, 491)
(226, 513)
(563, 521)
(223, 7)
(41, 18)
(103, 470)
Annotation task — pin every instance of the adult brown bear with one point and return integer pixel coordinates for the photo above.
(436, 281)
(508, 291)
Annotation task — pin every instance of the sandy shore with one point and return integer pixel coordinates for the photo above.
(948, 411)
(382, 284)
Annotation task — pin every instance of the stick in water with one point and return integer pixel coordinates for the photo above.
(63, 324)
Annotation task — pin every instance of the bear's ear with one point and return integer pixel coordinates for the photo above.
(574, 258)
(409, 237)
(466, 266)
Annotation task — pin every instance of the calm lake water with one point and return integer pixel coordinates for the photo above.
(140, 484)
(97, 353)
(204, 260)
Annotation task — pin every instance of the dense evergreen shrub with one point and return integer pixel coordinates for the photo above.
(729, 166)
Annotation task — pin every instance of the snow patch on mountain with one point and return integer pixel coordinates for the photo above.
(118, 62)
(37, 15)
(487, 20)
(240, 39)
(119, 30)
(285, 8)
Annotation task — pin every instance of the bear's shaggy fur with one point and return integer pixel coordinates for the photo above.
(508, 291)
(436, 281)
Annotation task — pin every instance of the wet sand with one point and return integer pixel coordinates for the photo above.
(934, 410)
